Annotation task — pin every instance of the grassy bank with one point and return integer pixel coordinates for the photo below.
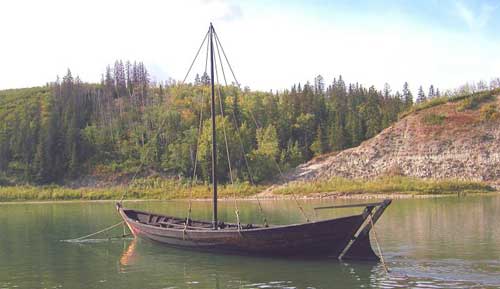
(466, 101)
(140, 189)
(158, 189)
(385, 185)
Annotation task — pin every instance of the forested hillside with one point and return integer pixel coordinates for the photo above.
(69, 129)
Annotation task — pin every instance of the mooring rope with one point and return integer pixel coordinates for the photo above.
(96, 233)
(378, 245)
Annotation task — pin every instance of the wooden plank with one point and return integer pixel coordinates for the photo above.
(350, 206)
(366, 225)
(356, 232)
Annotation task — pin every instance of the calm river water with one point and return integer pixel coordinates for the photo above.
(428, 243)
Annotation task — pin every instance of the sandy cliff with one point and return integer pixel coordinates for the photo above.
(443, 141)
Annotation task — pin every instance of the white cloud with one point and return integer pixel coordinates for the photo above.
(475, 19)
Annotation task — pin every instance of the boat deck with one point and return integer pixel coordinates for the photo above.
(163, 221)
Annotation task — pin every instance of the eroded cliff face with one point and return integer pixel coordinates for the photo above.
(439, 142)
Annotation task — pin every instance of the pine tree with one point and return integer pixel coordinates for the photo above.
(319, 84)
(431, 92)
(109, 84)
(120, 79)
(387, 91)
(205, 79)
(41, 164)
(421, 95)
(372, 114)
(320, 143)
(407, 96)
(197, 80)
(128, 71)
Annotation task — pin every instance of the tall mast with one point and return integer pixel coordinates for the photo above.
(214, 143)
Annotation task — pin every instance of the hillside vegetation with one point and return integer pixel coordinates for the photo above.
(446, 139)
(85, 134)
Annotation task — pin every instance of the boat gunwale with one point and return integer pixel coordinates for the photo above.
(270, 227)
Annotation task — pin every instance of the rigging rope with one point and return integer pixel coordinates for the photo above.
(224, 53)
(217, 45)
(196, 56)
(194, 175)
(219, 95)
(256, 124)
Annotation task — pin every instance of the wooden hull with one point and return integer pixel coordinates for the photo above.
(326, 238)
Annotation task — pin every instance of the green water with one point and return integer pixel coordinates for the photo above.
(428, 243)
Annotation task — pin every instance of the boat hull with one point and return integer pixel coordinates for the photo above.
(326, 238)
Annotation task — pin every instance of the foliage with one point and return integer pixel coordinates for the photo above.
(489, 112)
(424, 105)
(148, 188)
(127, 123)
(469, 101)
(433, 119)
(474, 101)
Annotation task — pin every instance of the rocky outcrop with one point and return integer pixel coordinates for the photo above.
(462, 145)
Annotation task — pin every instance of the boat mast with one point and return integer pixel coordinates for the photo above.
(214, 143)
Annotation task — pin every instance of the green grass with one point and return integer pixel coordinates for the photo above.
(150, 188)
(475, 100)
(434, 119)
(161, 189)
(469, 101)
(396, 184)
(425, 105)
(489, 112)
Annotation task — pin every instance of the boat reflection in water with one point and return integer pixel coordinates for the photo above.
(129, 255)
(167, 267)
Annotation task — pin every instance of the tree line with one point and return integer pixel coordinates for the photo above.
(126, 123)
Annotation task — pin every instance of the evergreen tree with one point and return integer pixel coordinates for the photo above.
(421, 95)
(372, 114)
(387, 91)
(431, 92)
(55, 133)
(407, 96)
(319, 84)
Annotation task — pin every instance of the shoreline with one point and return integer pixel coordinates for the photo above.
(319, 196)
(395, 187)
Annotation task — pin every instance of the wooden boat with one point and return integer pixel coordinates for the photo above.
(346, 237)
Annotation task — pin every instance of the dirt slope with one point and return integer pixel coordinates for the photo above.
(453, 144)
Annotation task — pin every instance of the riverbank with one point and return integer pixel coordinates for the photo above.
(161, 189)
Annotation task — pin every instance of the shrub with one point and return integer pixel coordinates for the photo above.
(434, 119)
(425, 105)
(474, 100)
(489, 112)
(394, 184)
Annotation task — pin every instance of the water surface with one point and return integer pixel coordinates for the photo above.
(427, 243)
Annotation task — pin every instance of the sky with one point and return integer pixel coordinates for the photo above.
(270, 44)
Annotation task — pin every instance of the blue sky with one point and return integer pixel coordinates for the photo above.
(272, 44)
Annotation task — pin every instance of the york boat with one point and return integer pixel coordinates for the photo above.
(344, 238)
